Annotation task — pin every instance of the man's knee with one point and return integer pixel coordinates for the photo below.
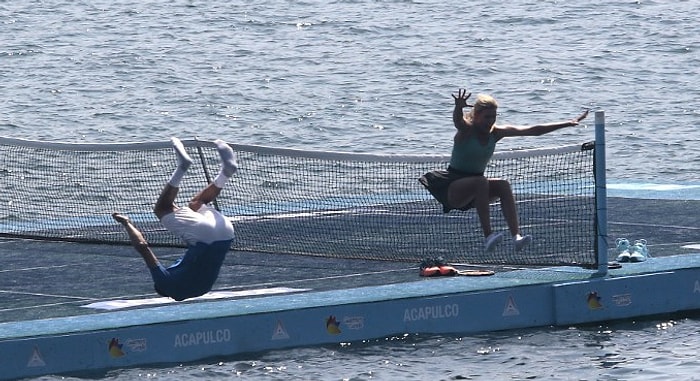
(195, 204)
(162, 210)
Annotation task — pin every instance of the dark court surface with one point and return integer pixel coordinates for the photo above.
(40, 279)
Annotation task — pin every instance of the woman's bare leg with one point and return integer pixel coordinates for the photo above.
(463, 191)
(502, 190)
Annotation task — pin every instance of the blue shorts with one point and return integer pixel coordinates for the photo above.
(194, 274)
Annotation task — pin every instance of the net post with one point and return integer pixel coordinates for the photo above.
(207, 175)
(601, 215)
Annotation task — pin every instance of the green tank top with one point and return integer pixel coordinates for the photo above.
(469, 156)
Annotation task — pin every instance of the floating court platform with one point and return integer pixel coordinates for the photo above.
(74, 308)
(82, 307)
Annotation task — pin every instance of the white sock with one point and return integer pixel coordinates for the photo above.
(229, 166)
(221, 179)
(183, 163)
(176, 177)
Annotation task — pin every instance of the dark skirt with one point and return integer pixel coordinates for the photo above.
(437, 182)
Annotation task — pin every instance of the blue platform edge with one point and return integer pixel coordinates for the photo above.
(653, 191)
(192, 331)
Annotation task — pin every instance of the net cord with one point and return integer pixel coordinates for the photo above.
(290, 152)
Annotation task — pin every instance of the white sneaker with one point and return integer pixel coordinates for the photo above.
(643, 244)
(639, 251)
(521, 241)
(623, 250)
(492, 240)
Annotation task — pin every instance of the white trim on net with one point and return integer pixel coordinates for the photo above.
(290, 152)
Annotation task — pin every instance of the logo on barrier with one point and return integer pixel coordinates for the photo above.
(115, 348)
(594, 301)
(511, 309)
(137, 345)
(202, 338)
(431, 312)
(332, 325)
(280, 333)
(35, 360)
(354, 322)
(622, 300)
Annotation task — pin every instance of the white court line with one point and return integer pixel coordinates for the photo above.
(41, 268)
(127, 303)
(46, 295)
(654, 225)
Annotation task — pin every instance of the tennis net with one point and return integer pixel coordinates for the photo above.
(326, 204)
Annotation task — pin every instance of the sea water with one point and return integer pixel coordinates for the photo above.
(377, 76)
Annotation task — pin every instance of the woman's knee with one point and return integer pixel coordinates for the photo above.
(477, 184)
(500, 188)
(464, 191)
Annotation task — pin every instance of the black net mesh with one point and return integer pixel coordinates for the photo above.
(309, 203)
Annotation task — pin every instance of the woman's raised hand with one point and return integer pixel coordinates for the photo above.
(461, 98)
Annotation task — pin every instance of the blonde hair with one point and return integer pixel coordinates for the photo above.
(484, 101)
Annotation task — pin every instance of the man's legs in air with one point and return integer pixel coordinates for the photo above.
(229, 167)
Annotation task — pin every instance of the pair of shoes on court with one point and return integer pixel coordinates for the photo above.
(627, 252)
(436, 267)
(519, 241)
